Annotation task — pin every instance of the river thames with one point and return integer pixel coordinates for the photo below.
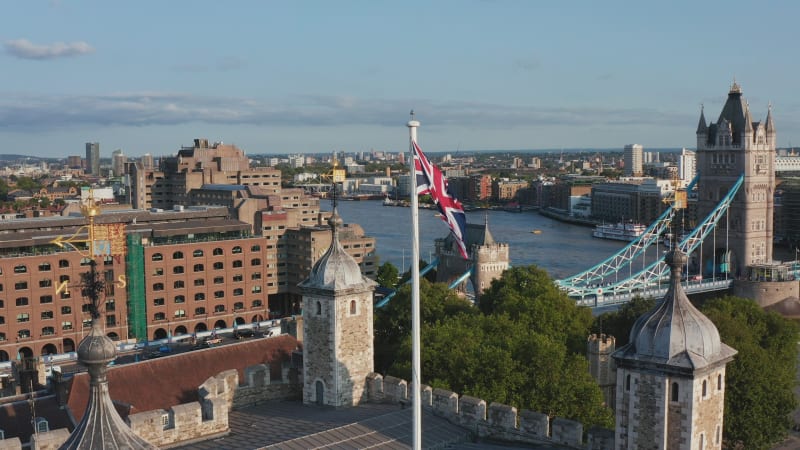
(561, 249)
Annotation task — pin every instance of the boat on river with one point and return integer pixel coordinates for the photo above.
(627, 231)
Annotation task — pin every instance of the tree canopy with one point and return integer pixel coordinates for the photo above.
(524, 346)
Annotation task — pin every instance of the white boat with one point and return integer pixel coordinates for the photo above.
(619, 231)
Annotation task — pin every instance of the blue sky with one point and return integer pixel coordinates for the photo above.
(316, 76)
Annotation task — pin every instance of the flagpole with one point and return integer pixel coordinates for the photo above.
(416, 365)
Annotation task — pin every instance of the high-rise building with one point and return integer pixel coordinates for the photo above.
(118, 160)
(687, 165)
(74, 162)
(633, 157)
(93, 158)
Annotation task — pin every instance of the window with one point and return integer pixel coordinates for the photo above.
(180, 299)
(352, 307)
(180, 313)
(24, 334)
(628, 383)
(177, 255)
(22, 301)
(199, 311)
(158, 287)
(45, 283)
(86, 261)
(219, 280)
(200, 282)
(157, 257)
(705, 388)
(218, 252)
(158, 301)
(674, 392)
(238, 306)
(236, 250)
(256, 289)
(23, 317)
(219, 265)
(158, 271)
(46, 299)
(111, 320)
(179, 284)
(159, 316)
(111, 305)
(238, 263)
(66, 325)
(255, 276)
(199, 297)
(219, 308)
(44, 267)
(238, 278)
(66, 310)
(177, 269)
(63, 263)
(719, 382)
(48, 331)
(319, 308)
(2, 320)
(197, 253)
(255, 262)
(238, 291)
(21, 285)
(255, 248)
(219, 294)
(199, 268)
(63, 278)
(22, 268)
(257, 303)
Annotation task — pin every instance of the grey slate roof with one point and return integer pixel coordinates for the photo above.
(675, 335)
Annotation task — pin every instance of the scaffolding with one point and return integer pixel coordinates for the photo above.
(137, 313)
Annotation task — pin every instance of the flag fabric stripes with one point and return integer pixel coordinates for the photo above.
(430, 180)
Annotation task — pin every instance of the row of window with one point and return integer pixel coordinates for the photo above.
(201, 311)
(198, 253)
(158, 271)
(179, 284)
(675, 388)
(65, 310)
(65, 325)
(201, 296)
(62, 264)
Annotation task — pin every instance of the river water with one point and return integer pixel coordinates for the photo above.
(561, 249)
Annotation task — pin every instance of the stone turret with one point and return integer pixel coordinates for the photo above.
(670, 376)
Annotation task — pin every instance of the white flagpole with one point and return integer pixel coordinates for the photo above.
(416, 365)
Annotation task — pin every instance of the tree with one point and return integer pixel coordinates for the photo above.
(387, 275)
(759, 395)
(620, 322)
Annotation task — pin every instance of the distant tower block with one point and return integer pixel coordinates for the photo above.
(633, 155)
(733, 146)
(601, 365)
(487, 258)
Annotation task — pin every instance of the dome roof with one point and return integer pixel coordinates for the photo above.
(336, 269)
(675, 332)
(96, 348)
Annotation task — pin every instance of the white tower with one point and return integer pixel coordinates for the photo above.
(633, 154)
(337, 328)
(671, 376)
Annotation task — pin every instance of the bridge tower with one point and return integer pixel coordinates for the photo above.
(487, 258)
(732, 146)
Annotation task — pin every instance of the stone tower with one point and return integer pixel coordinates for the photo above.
(733, 146)
(487, 258)
(337, 327)
(671, 376)
(601, 364)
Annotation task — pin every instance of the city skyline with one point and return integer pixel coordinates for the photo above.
(148, 77)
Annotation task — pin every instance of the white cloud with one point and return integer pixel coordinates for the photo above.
(25, 49)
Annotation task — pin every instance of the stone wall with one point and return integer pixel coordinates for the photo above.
(766, 293)
(497, 421)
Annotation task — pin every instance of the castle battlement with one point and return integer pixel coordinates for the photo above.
(497, 421)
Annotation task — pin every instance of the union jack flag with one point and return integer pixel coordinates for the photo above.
(430, 180)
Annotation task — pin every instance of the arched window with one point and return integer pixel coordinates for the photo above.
(159, 316)
(255, 262)
(23, 317)
(197, 253)
(180, 313)
(177, 255)
(158, 286)
(44, 267)
(199, 297)
(179, 284)
(157, 257)
(47, 282)
(219, 308)
(159, 301)
(319, 308)
(705, 388)
(199, 311)
(200, 282)
(674, 397)
(255, 248)
(719, 382)
(177, 269)
(238, 291)
(48, 331)
(44, 299)
(24, 334)
(66, 310)
(237, 306)
(352, 307)
(238, 263)
(257, 303)
(63, 263)
(255, 289)
(22, 301)
(219, 294)
(180, 299)
(219, 265)
(236, 250)
(47, 315)
(21, 285)
(22, 268)
(218, 252)
(199, 267)
(628, 382)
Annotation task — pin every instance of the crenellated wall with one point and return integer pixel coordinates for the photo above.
(497, 421)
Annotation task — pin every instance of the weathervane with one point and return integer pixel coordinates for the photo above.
(678, 201)
(336, 175)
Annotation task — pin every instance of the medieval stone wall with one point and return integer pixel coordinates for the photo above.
(766, 293)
